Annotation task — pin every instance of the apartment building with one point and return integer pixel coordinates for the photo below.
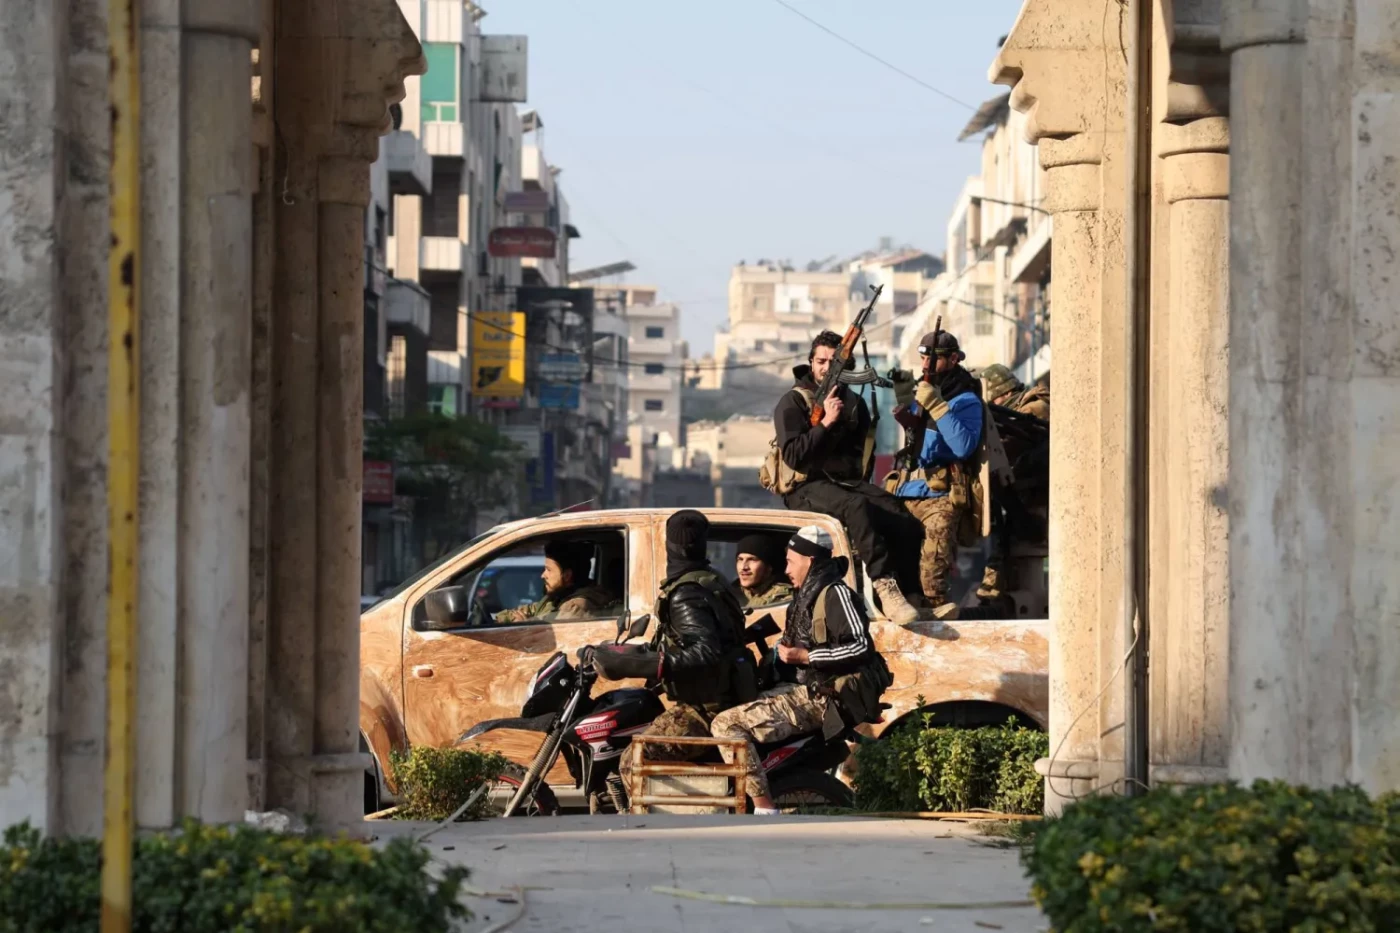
(995, 292)
(464, 112)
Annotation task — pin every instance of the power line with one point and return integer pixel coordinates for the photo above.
(868, 54)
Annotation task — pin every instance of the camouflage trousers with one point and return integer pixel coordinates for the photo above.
(940, 519)
(784, 711)
(679, 720)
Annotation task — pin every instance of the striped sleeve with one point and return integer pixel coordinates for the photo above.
(840, 601)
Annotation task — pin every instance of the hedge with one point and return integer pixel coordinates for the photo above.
(1265, 858)
(207, 878)
(918, 766)
(434, 782)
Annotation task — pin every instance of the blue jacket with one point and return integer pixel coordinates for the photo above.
(959, 432)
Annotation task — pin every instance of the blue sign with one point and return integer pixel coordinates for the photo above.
(539, 473)
(559, 395)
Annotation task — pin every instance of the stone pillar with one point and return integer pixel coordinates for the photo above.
(158, 683)
(1314, 387)
(1071, 89)
(1190, 562)
(33, 51)
(215, 318)
(340, 63)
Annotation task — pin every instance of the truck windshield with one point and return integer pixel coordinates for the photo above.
(451, 553)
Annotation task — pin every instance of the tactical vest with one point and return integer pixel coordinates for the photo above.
(858, 693)
(737, 681)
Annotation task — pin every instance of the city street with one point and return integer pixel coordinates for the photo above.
(597, 873)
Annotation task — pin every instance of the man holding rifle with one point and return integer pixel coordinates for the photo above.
(943, 412)
(822, 429)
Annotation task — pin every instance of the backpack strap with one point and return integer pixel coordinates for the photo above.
(819, 615)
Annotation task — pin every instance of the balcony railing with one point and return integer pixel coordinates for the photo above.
(407, 305)
(410, 166)
(443, 138)
(442, 254)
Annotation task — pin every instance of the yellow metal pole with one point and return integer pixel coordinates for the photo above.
(123, 440)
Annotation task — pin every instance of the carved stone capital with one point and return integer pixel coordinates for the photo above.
(340, 65)
(1196, 160)
(1193, 78)
(1065, 65)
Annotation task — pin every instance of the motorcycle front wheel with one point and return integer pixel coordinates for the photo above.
(540, 803)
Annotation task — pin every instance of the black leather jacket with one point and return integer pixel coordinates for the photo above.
(698, 645)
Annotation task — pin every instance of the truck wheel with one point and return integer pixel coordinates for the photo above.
(541, 803)
(810, 789)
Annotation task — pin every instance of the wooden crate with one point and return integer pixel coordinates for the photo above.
(687, 786)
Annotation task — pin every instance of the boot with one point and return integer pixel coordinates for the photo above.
(892, 601)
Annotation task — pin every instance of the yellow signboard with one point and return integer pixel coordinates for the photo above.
(498, 354)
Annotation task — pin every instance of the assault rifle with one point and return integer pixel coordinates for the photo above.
(844, 354)
(907, 457)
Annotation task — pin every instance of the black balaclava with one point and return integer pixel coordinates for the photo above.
(687, 535)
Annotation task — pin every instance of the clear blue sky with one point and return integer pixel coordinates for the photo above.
(693, 135)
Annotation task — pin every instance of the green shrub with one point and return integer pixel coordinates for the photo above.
(1265, 858)
(920, 767)
(434, 782)
(203, 879)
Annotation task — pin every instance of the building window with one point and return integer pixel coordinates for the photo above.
(656, 333)
(655, 404)
(442, 399)
(982, 297)
(396, 370)
(794, 347)
(655, 369)
(439, 87)
(794, 305)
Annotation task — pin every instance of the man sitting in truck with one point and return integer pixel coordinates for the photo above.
(760, 580)
(568, 592)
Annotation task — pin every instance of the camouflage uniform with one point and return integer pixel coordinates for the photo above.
(577, 603)
(777, 592)
(997, 381)
(940, 518)
(786, 710)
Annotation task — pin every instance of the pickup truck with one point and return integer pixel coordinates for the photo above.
(426, 683)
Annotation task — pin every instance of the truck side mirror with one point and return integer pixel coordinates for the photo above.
(447, 608)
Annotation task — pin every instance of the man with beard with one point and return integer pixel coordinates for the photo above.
(830, 462)
(759, 581)
(568, 593)
(699, 657)
(938, 491)
(840, 675)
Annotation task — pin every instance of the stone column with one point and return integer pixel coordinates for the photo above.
(340, 63)
(215, 319)
(1071, 89)
(33, 51)
(1314, 387)
(1190, 565)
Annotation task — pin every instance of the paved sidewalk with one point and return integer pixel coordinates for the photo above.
(599, 871)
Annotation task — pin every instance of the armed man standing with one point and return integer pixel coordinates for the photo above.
(945, 415)
(826, 457)
(1001, 387)
(699, 657)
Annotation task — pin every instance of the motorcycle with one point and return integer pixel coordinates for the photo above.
(593, 733)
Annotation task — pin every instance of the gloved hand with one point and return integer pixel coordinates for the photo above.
(903, 381)
(619, 662)
(930, 400)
